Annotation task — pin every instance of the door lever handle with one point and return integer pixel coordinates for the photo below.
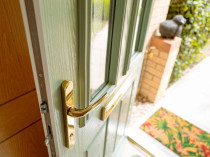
(70, 112)
(77, 113)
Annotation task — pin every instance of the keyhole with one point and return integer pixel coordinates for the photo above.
(71, 136)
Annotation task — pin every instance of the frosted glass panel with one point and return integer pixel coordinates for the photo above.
(99, 39)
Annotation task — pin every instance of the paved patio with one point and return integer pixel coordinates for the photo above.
(189, 98)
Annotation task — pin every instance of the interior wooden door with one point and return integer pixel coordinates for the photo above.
(21, 129)
(96, 45)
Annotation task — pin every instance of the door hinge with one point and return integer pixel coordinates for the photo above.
(44, 107)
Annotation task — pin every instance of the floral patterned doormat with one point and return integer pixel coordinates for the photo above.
(180, 136)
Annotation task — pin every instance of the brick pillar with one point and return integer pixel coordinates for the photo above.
(157, 67)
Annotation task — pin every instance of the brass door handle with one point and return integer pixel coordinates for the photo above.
(70, 112)
(77, 113)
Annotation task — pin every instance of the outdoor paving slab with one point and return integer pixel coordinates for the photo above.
(189, 98)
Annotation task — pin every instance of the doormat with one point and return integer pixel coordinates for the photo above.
(180, 136)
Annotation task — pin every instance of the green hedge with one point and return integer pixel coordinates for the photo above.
(195, 32)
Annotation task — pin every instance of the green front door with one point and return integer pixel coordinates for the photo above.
(97, 45)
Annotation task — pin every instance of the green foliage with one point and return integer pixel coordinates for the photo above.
(195, 32)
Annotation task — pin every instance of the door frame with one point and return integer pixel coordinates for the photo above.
(31, 13)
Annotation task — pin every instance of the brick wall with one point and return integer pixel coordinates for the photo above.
(157, 67)
(158, 14)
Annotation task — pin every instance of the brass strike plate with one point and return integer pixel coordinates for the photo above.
(69, 124)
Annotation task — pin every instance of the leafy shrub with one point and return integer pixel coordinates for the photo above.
(195, 32)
